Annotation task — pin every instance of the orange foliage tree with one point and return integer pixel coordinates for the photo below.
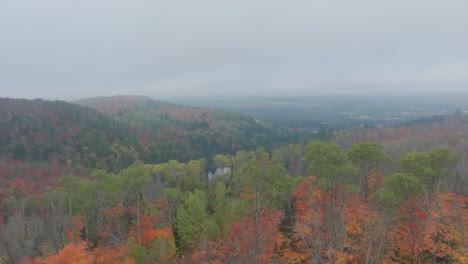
(333, 228)
(70, 254)
(432, 229)
(157, 244)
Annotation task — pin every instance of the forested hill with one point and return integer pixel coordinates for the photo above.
(169, 131)
(73, 191)
(33, 130)
(124, 129)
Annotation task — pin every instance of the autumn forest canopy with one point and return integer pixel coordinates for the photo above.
(128, 179)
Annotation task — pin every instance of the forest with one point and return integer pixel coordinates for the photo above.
(132, 180)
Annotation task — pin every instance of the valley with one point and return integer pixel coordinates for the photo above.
(130, 179)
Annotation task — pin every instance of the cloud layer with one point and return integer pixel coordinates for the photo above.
(71, 49)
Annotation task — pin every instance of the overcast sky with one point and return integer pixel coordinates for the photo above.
(64, 49)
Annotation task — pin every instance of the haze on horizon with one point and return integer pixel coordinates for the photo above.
(61, 49)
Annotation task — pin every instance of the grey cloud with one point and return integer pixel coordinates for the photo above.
(71, 48)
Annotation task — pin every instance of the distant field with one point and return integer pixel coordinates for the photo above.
(336, 111)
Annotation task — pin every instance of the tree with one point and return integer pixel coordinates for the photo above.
(333, 230)
(71, 253)
(430, 167)
(269, 185)
(109, 187)
(222, 161)
(328, 162)
(79, 197)
(367, 157)
(119, 254)
(398, 187)
(194, 174)
(191, 220)
(319, 233)
(171, 171)
(252, 243)
(135, 178)
(291, 157)
(432, 230)
(219, 216)
(442, 161)
(157, 244)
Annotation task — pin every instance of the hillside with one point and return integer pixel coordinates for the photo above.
(34, 130)
(124, 129)
(72, 189)
(170, 131)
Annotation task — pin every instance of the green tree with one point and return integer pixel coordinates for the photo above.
(109, 187)
(172, 171)
(79, 197)
(442, 161)
(191, 220)
(291, 157)
(398, 187)
(134, 179)
(367, 157)
(328, 162)
(269, 184)
(430, 167)
(222, 161)
(173, 197)
(221, 223)
(193, 176)
(417, 163)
